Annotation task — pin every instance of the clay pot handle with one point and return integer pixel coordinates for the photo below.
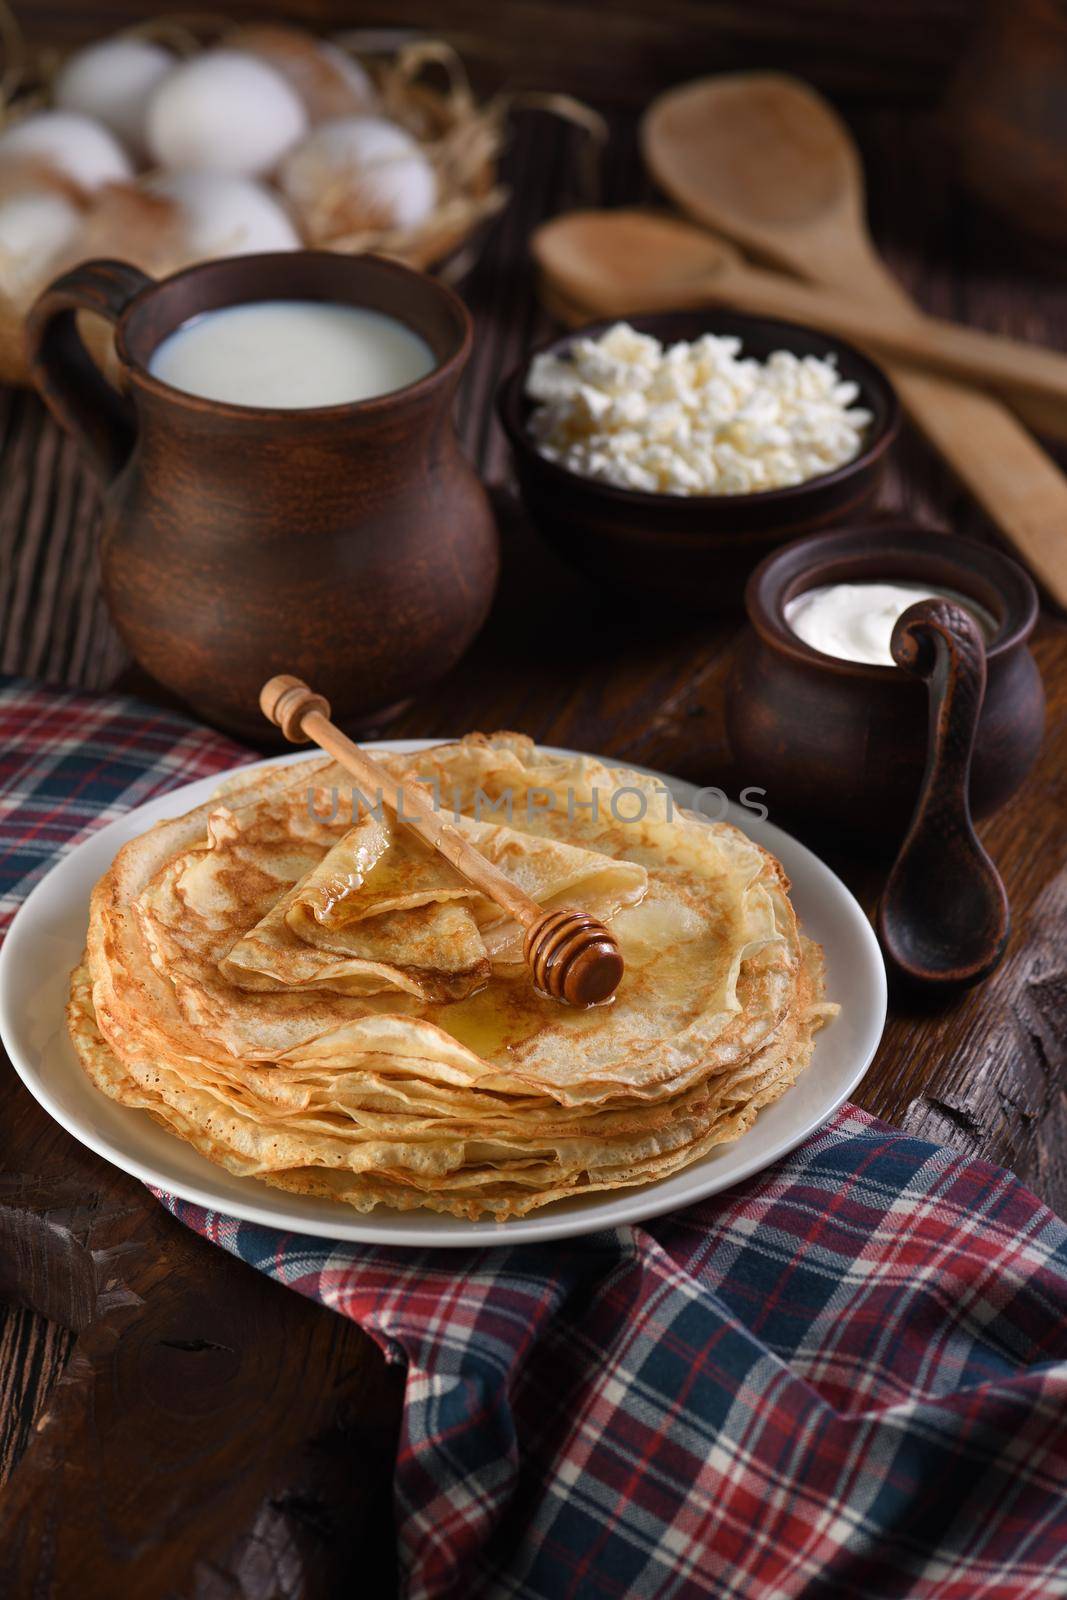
(944, 917)
(70, 382)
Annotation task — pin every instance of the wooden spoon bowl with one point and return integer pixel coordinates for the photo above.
(762, 157)
(620, 261)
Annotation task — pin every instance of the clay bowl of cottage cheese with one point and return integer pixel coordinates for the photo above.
(667, 455)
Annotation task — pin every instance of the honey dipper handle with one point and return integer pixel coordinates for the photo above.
(303, 715)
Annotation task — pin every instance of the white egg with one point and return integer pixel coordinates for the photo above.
(224, 111)
(35, 230)
(74, 145)
(356, 174)
(221, 214)
(113, 82)
(330, 83)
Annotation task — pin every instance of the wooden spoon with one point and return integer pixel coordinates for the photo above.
(943, 919)
(762, 158)
(558, 305)
(617, 262)
(573, 957)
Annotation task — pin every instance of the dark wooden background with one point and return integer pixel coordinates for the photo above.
(181, 1425)
(615, 52)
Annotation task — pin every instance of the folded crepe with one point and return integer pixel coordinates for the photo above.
(308, 996)
(381, 910)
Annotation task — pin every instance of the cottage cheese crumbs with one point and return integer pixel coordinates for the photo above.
(692, 419)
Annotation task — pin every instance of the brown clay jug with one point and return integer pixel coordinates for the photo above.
(350, 544)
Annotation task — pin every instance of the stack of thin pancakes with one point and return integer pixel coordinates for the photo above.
(308, 995)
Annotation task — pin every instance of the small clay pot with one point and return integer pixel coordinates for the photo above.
(843, 744)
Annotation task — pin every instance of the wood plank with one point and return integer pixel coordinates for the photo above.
(33, 1353)
(224, 1468)
(213, 1433)
(625, 52)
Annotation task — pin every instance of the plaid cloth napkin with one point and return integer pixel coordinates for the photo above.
(847, 1377)
(70, 762)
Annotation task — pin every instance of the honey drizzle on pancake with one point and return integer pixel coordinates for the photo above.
(504, 1015)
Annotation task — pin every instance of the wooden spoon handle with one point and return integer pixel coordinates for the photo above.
(1029, 377)
(940, 642)
(944, 917)
(930, 343)
(303, 715)
(705, 270)
(1017, 484)
(1015, 481)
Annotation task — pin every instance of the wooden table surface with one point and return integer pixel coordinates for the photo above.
(173, 1423)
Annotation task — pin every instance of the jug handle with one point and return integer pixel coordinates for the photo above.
(76, 392)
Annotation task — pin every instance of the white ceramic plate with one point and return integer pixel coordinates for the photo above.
(47, 936)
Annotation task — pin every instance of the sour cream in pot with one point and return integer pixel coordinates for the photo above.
(855, 621)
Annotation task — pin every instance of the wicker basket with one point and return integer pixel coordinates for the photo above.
(422, 85)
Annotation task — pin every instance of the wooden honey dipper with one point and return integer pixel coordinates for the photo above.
(573, 957)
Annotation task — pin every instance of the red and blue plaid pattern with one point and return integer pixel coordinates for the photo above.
(847, 1377)
(70, 762)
